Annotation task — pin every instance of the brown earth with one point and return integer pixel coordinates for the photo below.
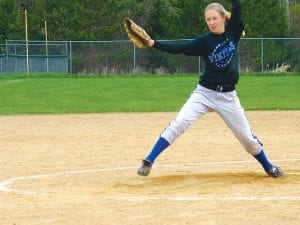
(81, 169)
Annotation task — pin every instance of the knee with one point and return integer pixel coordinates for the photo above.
(253, 146)
(250, 143)
(177, 127)
(180, 125)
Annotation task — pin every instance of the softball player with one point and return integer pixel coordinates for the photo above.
(216, 88)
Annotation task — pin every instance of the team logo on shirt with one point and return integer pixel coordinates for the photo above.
(222, 54)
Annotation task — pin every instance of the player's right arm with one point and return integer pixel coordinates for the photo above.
(236, 13)
(193, 47)
(235, 21)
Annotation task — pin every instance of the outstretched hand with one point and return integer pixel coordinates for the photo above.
(151, 42)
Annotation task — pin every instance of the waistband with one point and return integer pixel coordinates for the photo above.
(217, 87)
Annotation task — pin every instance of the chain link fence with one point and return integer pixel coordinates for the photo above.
(42, 57)
(121, 57)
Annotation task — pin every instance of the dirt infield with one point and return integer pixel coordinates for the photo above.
(81, 169)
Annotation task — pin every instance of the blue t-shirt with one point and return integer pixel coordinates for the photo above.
(219, 51)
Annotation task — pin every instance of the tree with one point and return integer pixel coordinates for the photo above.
(24, 4)
(11, 23)
(164, 19)
(265, 19)
(295, 18)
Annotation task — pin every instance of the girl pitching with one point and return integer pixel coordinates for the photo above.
(216, 88)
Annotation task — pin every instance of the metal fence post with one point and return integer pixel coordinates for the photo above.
(70, 56)
(134, 59)
(262, 54)
(7, 57)
(16, 60)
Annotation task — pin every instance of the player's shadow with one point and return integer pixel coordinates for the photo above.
(213, 179)
(201, 183)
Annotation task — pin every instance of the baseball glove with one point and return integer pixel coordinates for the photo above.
(137, 35)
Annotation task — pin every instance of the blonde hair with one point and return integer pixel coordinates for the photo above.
(223, 12)
(219, 8)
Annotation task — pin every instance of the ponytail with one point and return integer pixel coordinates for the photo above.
(227, 16)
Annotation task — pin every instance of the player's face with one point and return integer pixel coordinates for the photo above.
(215, 21)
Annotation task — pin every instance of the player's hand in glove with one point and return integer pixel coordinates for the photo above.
(137, 35)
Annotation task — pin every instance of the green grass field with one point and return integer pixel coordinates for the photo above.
(61, 94)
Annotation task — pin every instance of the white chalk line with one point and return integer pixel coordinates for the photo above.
(198, 198)
(4, 188)
(4, 185)
(10, 82)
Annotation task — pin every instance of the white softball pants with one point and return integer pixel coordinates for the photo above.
(226, 104)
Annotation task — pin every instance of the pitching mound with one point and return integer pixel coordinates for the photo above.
(81, 169)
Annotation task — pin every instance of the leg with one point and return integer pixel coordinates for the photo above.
(234, 116)
(192, 110)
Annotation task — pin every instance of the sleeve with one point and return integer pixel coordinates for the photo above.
(235, 21)
(194, 47)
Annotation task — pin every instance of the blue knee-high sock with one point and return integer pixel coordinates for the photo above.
(261, 157)
(158, 148)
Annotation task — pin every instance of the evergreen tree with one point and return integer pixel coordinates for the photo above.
(295, 18)
(265, 19)
(164, 19)
(11, 23)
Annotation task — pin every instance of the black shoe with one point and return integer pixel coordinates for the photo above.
(145, 168)
(275, 172)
